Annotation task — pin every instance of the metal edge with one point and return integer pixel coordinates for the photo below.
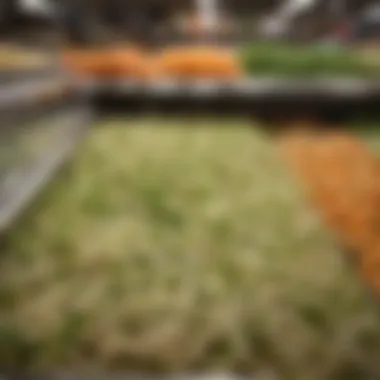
(37, 179)
(250, 87)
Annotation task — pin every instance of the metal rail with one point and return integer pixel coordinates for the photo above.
(254, 87)
(41, 121)
(265, 97)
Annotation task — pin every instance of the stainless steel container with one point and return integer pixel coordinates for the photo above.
(43, 115)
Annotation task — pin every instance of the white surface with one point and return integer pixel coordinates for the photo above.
(37, 7)
(279, 22)
(208, 10)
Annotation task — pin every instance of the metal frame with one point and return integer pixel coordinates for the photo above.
(41, 121)
(269, 98)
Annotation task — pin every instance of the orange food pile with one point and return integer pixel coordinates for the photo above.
(342, 179)
(84, 62)
(130, 63)
(182, 62)
(106, 63)
(199, 62)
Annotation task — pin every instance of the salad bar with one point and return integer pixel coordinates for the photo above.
(260, 80)
(46, 108)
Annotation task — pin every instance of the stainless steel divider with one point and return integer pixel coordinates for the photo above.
(247, 87)
(42, 118)
(325, 98)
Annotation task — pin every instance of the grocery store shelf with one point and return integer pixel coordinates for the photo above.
(255, 87)
(269, 96)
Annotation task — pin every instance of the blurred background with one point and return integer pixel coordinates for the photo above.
(190, 187)
(299, 20)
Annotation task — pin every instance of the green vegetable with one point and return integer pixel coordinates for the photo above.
(297, 61)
